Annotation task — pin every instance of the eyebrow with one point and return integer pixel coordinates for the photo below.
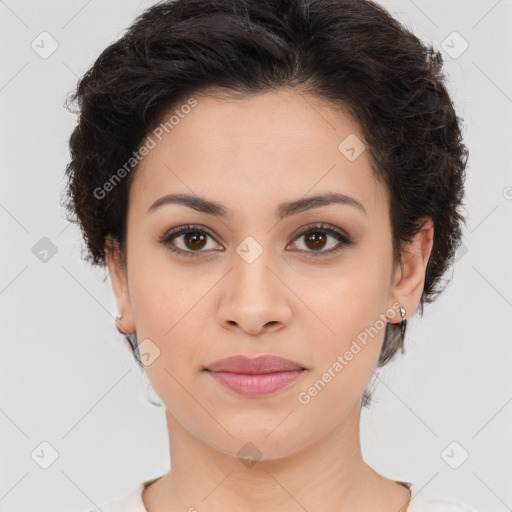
(286, 209)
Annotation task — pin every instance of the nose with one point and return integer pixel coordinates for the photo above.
(254, 297)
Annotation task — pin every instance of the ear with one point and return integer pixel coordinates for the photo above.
(409, 276)
(119, 279)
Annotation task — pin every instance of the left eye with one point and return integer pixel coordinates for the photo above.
(194, 239)
(316, 238)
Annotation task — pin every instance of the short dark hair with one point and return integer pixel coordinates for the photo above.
(352, 53)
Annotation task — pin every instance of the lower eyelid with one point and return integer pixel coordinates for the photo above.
(341, 240)
(169, 242)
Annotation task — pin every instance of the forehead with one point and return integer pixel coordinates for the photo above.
(268, 147)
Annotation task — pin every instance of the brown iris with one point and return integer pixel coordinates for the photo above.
(194, 240)
(315, 239)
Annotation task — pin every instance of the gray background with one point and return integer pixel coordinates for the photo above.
(67, 377)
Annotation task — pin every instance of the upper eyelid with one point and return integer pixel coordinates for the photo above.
(321, 226)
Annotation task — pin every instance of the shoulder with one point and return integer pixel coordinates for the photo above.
(421, 503)
(132, 501)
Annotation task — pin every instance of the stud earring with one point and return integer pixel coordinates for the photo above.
(118, 317)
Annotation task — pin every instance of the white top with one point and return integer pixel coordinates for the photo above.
(419, 502)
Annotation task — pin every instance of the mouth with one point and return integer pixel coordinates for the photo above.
(257, 376)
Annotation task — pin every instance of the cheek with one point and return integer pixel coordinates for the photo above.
(347, 299)
(157, 290)
(350, 320)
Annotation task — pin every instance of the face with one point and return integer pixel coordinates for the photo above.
(314, 284)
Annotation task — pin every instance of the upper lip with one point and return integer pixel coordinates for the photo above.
(254, 365)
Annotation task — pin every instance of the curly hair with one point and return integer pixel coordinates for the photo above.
(351, 53)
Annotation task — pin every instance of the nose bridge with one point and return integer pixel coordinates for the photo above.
(253, 261)
(255, 296)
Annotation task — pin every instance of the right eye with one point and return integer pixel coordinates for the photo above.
(193, 240)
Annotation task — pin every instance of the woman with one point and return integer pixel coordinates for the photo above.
(275, 188)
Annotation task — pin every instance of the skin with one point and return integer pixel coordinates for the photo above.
(251, 155)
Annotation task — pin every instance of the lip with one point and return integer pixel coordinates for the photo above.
(255, 376)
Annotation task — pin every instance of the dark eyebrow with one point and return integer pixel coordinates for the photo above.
(195, 202)
(294, 207)
(284, 210)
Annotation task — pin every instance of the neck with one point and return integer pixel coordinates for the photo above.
(328, 475)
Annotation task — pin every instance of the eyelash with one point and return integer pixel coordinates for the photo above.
(325, 228)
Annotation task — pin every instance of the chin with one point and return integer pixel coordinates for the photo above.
(251, 445)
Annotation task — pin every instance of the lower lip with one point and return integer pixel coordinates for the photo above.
(256, 384)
